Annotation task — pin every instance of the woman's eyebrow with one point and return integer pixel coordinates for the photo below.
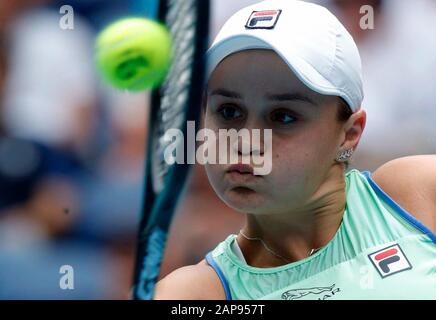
(291, 97)
(283, 97)
(226, 93)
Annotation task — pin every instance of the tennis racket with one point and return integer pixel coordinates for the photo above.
(175, 102)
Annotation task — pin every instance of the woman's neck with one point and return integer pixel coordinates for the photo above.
(293, 235)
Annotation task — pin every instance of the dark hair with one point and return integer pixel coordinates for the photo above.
(344, 110)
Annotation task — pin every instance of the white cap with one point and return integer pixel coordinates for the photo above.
(308, 37)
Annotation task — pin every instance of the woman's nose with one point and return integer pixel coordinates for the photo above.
(249, 144)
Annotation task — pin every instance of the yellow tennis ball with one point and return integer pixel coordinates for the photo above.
(134, 53)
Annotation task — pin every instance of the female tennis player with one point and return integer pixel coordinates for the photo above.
(313, 229)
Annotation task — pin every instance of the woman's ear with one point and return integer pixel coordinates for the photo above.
(354, 128)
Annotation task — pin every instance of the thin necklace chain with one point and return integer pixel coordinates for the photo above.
(312, 251)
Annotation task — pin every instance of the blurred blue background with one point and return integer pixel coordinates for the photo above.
(72, 149)
(71, 154)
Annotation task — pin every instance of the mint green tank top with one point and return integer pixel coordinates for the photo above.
(380, 251)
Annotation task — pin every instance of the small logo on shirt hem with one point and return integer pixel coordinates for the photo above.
(323, 293)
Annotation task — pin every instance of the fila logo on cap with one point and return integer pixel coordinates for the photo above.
(263, 19)
(390, 260)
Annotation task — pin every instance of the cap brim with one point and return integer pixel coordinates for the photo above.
(303, 70)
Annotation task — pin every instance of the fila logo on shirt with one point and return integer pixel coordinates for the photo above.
(390, 260)
(263, 19)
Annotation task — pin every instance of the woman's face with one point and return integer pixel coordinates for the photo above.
(255, 89)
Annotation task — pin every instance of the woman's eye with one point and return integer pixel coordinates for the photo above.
(229, 112)
(283, 117)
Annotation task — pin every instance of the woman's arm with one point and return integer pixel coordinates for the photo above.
(196, 282)
(411, 182)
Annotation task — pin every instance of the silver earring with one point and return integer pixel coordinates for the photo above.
(344, 155)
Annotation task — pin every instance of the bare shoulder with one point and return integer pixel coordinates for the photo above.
(195, 282)
(409, 172)
(411, 182)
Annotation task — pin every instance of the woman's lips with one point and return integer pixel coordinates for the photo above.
(241, 168)
(241, 173)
